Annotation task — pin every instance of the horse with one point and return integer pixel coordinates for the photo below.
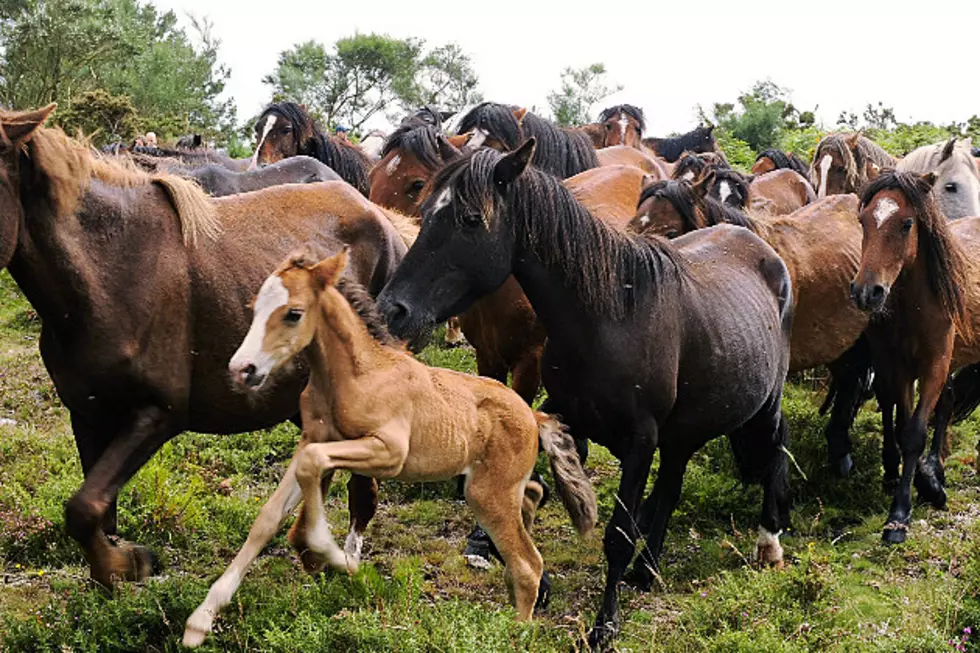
(622, 124)
(626, 317)
(845, 163)
(400, 420)
(773, 159)
(957, 180)
(141, 283)
(821, 245)
(285, 129)
(161, 159)
(218, 181)
(700, 139)
(630, 156)
(690, 166)
(561, 152)
(919, 280)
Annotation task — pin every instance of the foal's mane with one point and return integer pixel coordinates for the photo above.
(609, 270)
(785, 161)
(636, 113)
(560, 152)
(945, 262)
(69, 167)
(854, 160)
(697, 212)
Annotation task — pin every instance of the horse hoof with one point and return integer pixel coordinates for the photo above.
(842, 466)
(602, 635)
(929, 481)
(639, 576)
(197, 628)
(480, 551)
(894, 533)
(143, 563)
(544, 592)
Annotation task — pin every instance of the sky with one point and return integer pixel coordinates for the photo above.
(920, 59)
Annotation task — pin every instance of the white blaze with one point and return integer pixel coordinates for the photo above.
(624, 122)
(445, 197)
(824, 169)
(272, 295)
(884, 209)
(269, 122)
(724, 191)
(393, 164)
(688, 176)
(477, 139)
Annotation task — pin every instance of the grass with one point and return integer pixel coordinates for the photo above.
(841, 590)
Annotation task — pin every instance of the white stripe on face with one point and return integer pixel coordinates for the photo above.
(884, 209)
(688, 176)
(269, 122)
(445, 197)
(624, 122)
(272, 295)
(824, 169)
(724, 191)
(477, 139)
(393, 165)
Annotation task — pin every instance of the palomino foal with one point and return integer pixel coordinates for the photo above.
(371, 408)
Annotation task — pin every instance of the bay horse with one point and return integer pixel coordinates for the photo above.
(821, 246)
(218, 181)
(957, 186)
(626, 319)
(561, 152)
(400, 420)
(919, 280)
(142, 283)
(630, 156)
(846, 162)
(700, 139)
(773, 159)
(285, 129)
(622, 124)
(691, 166)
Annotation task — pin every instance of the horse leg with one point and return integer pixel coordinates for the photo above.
(454, 335)
(85, 511)
(270, 518)
(362, 502)
(849, 374)
(930, 477)
(526, 375)
(619, 542)
(776, 498)
(91, 443)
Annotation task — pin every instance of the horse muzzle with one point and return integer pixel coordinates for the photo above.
(406, 323)
(247, 376)
(869, 297)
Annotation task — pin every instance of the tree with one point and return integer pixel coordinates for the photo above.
(762, 117)
(580, 90)
(367, 75)
(105, 117)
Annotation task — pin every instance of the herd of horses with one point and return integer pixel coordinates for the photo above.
(659, 296)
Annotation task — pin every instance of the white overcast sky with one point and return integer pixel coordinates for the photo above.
(921, 58)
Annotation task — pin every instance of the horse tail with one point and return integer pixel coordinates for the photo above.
(571, 482)
(966, 392)
(198, 214)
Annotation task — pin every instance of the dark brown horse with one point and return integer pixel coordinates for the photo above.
(779, 192)
(626, 319)
(700, 139)
(920, 279)
(142, 285)
(773, 159)
(285, 129)
(218, 181)
(845, 163)
(691, 166)
(622, 124)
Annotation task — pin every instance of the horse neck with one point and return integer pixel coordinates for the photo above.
(915, 307)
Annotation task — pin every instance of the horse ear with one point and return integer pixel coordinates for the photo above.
(17, 129)
(519, 114)
(927, 181)
(328, 271)
(852, 140)
(446, 115)
(197, 140)
(872, 170)
(448, 151)
(511, 165)
(703, 184)
(948, 150)
(711, 127)
(460, 140)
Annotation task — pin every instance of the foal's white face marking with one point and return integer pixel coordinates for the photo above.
(445, 197)
(477, 139)
(884, 209)
(393, 164)
(724, 191)
(624, 123)
(269, 122)
(824, 169)
(272, 295)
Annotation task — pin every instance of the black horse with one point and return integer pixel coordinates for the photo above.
(627, 319)
(697, 140)
(219, 181)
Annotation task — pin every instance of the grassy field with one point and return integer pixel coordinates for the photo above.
(840, 590)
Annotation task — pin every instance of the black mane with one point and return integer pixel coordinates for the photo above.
(419, 140)
(688, 204)
(610, 270)
(425, 116)
(673, 147)
(786, 161)
(346, 159)
(559, 152)
(636, 113)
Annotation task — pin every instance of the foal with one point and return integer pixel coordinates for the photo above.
(373, 409)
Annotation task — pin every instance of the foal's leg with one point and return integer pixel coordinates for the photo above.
(362, 502)
(930, 477)
(275, 510)
(526, 376)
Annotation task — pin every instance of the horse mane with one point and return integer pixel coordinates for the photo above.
(69, 167)
(929, 158)
(945, 262)
(634, 112)
(609, 270)
(689, 205)
(367, 309)
(698, 162)
(672, 147)
(407, 227)
(785, 161)
(425, 115)
(854, 161)
(560, 152)
(346, 159)
(419, 140)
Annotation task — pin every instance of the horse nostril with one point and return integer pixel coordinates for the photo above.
(397, 313)
(877, 292)
(853, 290)
(248, 370)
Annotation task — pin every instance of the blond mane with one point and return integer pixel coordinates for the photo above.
(407, 227)
(70, 165)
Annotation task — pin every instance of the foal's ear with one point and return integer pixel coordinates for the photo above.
(948, 150)
(328, 271)
(513, 164)
(17, 129)
(519, 114)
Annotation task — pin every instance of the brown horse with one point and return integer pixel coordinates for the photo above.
(920, 277)
(623, 124)
(400, 420)
(285, 129)
(845, 163)
(142, 285)
(773, 159)
(779, 192)
(821, 245)
(617, 155)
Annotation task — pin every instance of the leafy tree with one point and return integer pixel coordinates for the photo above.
(761, 116)
(370, 74)
(105, 117)
(580, 90)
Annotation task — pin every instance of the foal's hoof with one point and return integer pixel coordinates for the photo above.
(198, 627)
(544, 592)
(602, 634)
(894, 533)
(480, 551)
(842, 466)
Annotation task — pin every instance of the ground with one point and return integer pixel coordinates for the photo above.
(841, 589)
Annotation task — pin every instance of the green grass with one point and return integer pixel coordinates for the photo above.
(840, 589)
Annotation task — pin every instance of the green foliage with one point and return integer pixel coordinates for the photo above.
(372, 74)
(738, 152)
(580, 90)
(762, 116)
(802, 141)
(104, 117)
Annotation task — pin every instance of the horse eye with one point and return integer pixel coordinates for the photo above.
(293, 316)
(839, 169)
(608, 126)
(672, 234)
(907, 226)
(951, 187)
(472, 220)
(416, 186)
